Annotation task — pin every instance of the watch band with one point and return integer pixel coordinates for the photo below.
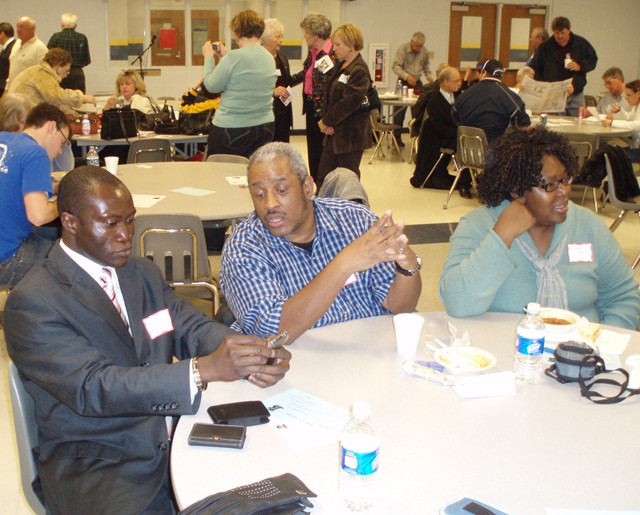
(411, 272)
(195, 373)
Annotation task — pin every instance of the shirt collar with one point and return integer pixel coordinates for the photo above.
(447, 96)
(91, 267)
(327, 47)
(324, 223)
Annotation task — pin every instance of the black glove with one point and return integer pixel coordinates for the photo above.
(284, 494)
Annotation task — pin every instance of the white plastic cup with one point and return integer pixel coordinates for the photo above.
(111, 164)
(408, 327)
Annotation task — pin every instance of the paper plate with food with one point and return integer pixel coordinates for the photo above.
(464, 360)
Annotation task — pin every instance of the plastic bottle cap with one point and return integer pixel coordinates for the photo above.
(361, 410)
(533, 308)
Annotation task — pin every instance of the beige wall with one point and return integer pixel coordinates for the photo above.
(612, 31)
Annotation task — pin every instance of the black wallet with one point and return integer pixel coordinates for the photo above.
(218, 436)
(246, 413)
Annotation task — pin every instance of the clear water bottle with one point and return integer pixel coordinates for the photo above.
(527, 363)
(399, 88)
(359, 454)
(93, 159)
(86, 125)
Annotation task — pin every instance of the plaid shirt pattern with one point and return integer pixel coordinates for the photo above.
(259, 271)
(74, 43)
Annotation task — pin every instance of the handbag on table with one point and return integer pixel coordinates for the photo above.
(161, 121)
(120, 123)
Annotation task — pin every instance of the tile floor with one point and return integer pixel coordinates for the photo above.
(386, 182)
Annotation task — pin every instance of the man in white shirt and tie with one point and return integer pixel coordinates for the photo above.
(440, 131)
(106, 364)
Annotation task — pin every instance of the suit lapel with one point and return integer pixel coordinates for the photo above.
(87, 291)
(132, 292)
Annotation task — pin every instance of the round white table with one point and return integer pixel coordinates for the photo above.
(571, 125)
(544, 447)
(208, 193)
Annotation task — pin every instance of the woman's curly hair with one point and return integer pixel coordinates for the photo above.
(514, 163)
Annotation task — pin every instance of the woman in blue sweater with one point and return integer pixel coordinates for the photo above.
(246, 78)
(530, 243)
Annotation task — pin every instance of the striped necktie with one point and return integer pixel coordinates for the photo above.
(106, 280)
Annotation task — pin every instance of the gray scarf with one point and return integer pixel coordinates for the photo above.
(552, 291)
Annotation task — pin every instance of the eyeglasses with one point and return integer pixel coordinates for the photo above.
(550, 187)
(65, 139)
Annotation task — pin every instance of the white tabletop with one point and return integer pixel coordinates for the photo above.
(95, 139)
(212, 196)
(395, 101)
(545, 447)
(571, 125)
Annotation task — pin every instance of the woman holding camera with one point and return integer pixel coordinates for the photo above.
(246, 78)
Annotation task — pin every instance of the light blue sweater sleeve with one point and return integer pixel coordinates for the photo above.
(477, 266)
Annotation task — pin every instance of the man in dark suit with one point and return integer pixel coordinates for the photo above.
(439, 131)
(108, 352)
(7, 41)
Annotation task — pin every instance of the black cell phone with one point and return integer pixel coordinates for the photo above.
(246, 413)
(216, 46)
(212, 435)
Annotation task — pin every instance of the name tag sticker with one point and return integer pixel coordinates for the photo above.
(353, 278)
(278, 72)
(580, 252)
(158, 324)
(324, 64)
(343, 78)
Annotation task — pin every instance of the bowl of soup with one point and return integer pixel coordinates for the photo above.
(558, 321)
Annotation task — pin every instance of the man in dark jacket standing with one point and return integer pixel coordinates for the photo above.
(565, 56)
(6, 43)
(78, 46)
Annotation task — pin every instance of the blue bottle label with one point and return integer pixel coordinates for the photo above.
(530, 346)
(359, 463)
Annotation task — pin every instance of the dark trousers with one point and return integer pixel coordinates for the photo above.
(400, 112)
(330, 161)
(75, 80)
(241, 141)
(314, 139)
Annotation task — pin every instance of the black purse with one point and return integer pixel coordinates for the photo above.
(161, 121)
(120, 123)
(371, 100)
(196, 123)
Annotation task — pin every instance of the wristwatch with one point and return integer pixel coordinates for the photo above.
(195, 373)
(411, 272)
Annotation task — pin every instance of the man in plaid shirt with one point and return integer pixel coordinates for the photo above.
(78, 46)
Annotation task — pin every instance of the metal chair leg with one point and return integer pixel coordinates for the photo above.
(618, 220)
(375, 150)
(433, 169)
(395, 142)
(455, 182)
(635, 263)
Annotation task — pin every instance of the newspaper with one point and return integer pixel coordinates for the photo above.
(545, 97)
